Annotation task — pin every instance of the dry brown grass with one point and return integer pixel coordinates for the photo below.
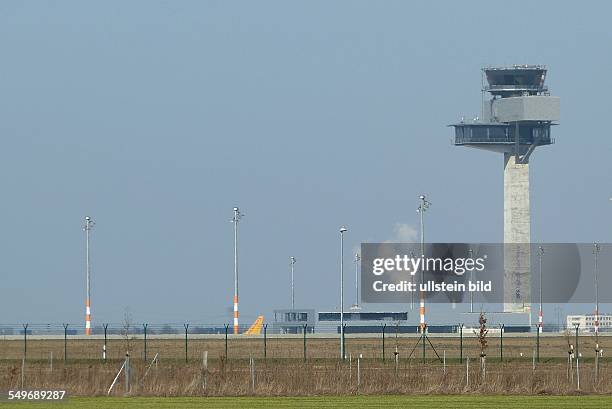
(285, 373)
(295, 378)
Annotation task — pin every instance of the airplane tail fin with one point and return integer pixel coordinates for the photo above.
(255, 329)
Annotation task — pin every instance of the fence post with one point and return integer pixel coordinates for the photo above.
(359, 370)
(444, 362)
(144, 326)
(350, 368)
(501, 342)
(252, 370)
(127, 373)
(577, 326)
(25, 341)
(186, 329)
(265, 327)
(205, 370)
(23, 373)
(596, 360)
(305, 326)
(343, 336)
(383, 341)
(460, 343)
(577, 370)
(467, 371)
(65, 342)
(226, 327)
(570, 364)
(104, 347)
(538, 343)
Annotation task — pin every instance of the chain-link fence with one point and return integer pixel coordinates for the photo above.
(195, 328)
(190, 341)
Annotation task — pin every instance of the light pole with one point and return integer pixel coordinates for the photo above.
(293, 260)
(235, 220)
(423, 206)
(540, 313)
(343, 230)
(595, 253)
(89, 223)
(357, 259)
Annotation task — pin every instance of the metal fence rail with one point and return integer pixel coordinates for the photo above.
(196, 328)
(188, 341)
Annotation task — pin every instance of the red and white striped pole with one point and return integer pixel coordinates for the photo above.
(89, 223)
(540, 321)
(422, 313)
(235, 315)
(235, 220)
(423, 206)
(87, 317)
(595, 253)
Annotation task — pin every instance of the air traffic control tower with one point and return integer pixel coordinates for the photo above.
(515, 121)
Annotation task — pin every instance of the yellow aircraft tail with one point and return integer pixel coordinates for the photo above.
(255, 329)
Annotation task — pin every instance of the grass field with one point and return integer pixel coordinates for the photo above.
(244, 347)
(315, 378)
(285, 372)
(388, 401)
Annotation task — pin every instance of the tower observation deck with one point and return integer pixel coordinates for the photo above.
(519, 115)
(515, 120)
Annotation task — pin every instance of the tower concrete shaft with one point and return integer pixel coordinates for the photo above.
(517, 226)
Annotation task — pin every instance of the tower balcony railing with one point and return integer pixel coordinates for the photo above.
(524, 87)
(466, 140)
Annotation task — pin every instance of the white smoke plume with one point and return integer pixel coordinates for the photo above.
(403, 233)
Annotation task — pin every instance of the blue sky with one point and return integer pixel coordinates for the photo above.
(157, 117)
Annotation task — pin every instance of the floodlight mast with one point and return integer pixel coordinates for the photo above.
(235, 220)
(343, 230)
(596, 249)
(357, 259)
(89, 223)
(423, 206)
(292, 260)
